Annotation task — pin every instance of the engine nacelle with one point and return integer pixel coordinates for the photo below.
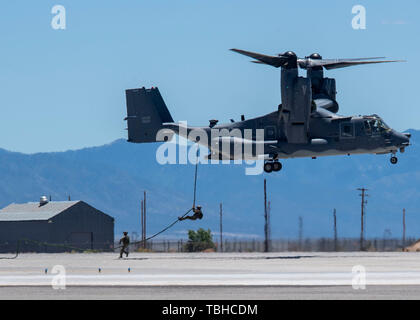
(326, 103)
(328, 88)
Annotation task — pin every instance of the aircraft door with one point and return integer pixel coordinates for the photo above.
(347, 130)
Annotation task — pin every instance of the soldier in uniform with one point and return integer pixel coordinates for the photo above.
(198, 214)
(125, 241)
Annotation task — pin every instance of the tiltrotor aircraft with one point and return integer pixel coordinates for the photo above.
(306, 123)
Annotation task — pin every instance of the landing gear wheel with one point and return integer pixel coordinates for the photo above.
(277, 166)
(268, 167)
(394, 160)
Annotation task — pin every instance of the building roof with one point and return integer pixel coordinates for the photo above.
(33, 211)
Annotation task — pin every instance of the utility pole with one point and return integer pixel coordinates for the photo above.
(335, 230)
(269, 225)
(221, 227)
(141, 221)
(265, 217)
(403, 239)
(300, 232)
(363, 195)
(144, 220)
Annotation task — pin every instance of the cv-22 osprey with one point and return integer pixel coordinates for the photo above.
(306, 123)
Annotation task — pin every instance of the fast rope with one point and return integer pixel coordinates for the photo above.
(15, 256)
(45, 244)
(158, 233)
(195, 175)
(177, 220)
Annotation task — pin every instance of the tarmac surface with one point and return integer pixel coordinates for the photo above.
(358, 275)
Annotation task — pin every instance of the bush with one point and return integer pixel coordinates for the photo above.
(199, 240)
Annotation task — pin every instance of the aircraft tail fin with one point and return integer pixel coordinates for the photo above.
(146, 112)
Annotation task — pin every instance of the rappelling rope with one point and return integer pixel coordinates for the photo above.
(178, 219)
(15, 256)
(195, 175)
(158, 233)
(42, 243)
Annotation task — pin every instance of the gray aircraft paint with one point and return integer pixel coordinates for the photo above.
(306, 123)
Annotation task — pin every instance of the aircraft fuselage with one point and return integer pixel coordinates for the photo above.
(329, 134)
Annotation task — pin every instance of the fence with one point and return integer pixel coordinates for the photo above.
(284, 245)
(35, 246)
(229, 245)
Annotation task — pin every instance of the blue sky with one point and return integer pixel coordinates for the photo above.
(64, 89)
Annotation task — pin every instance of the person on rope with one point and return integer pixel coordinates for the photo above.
(198, 214)
(125, 241)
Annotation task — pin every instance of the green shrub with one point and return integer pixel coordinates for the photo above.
(199, 240)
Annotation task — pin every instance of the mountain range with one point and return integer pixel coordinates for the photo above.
(112, 178)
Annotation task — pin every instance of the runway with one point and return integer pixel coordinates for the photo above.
(213, 276)
(212, 293)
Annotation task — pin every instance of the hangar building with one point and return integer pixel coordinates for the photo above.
(55, 226)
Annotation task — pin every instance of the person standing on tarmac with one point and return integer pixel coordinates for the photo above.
(125, 241)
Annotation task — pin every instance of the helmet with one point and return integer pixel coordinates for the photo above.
(125, 233)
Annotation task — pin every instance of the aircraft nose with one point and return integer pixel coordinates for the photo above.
(402, 139)
(408, 135)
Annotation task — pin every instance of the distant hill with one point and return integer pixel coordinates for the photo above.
(112, 178)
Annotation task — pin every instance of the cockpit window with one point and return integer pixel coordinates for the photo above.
(375, 126)
(367, 127)
(384, 125)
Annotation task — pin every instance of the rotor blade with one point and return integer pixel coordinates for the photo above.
(341, 63)
(275, 61)
(360, 59)
(355, 63)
